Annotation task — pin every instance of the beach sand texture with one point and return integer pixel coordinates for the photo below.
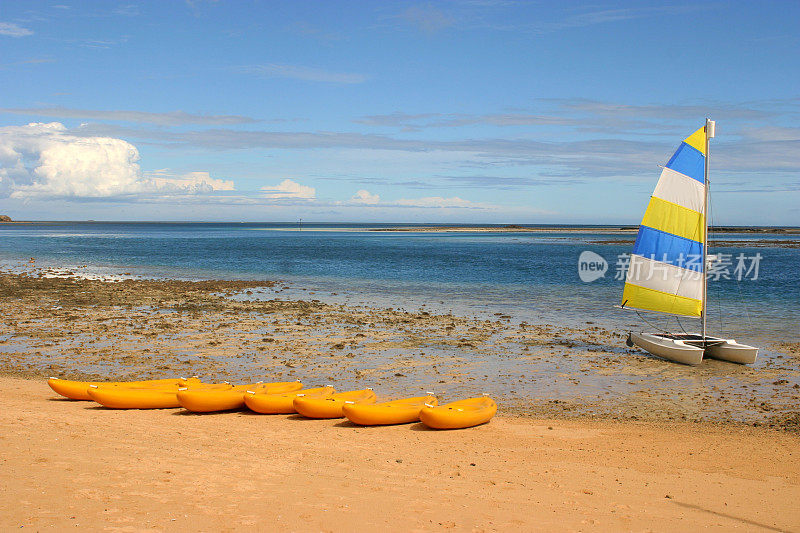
(70, 465)
(618, 454)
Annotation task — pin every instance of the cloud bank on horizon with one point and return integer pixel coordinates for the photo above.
(45, 161)
(485, 112)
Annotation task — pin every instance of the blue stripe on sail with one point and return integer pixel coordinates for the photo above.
(688, 161)
(668, 248)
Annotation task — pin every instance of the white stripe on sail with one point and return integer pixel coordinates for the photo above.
(664, 277)
(680, 189)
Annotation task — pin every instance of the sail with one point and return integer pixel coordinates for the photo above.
(666, 270)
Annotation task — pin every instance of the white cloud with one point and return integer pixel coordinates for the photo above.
(170, 118)
(441, 202)
(274, 70)
(363, 196)
(289, 189)
(12, 30)
(44, 160)
(32, 61)
(192, 182)
(427, 18)
(771, 133)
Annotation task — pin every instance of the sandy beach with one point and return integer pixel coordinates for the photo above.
(590, 435)
(73, 464)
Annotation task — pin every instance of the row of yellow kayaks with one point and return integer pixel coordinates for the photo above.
(79, 390)
(289, 397)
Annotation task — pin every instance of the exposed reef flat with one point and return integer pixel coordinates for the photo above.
(74, 327)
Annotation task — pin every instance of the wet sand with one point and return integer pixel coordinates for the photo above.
(244, 331)
(70, 465)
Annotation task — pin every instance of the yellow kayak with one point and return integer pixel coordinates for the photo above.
(164, 397)
(460, 414)
(276, 404)
(77, 390)
(200, 400)
(385, 413)
(331, 406)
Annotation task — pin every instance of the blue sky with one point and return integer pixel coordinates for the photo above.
(470, 111)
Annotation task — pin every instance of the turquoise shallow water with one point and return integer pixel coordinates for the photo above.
(531, 276)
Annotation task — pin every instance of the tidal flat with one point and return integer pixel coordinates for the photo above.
(61, 324)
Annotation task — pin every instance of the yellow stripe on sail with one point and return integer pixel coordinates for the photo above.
(652, 300)
(697, 140)
(675, 219)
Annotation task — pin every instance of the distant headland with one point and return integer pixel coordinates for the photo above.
(511, 228)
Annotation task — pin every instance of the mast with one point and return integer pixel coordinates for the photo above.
(709, 129)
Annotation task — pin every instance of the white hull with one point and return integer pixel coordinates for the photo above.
(674, 350)
(690, 349)
(734, 352)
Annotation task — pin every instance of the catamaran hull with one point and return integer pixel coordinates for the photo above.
(734, 352)
(690, 351)
(674, 350)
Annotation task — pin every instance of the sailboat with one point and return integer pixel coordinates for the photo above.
(668, 269)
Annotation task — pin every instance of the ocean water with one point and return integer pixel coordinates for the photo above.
(532, 277)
